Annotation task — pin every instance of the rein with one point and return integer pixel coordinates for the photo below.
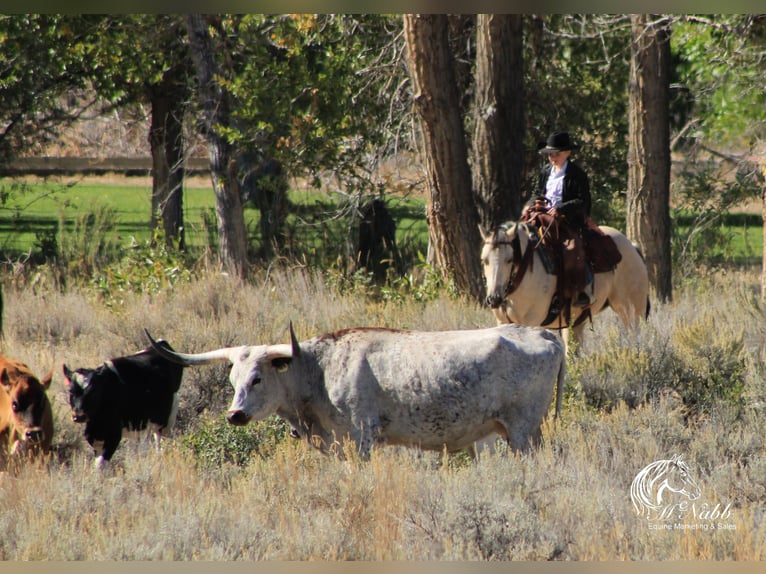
(521, 262)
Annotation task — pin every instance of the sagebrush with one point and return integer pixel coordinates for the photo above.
(690, 381)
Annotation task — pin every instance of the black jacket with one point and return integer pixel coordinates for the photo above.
(575, 201)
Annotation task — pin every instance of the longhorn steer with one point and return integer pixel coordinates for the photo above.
(26, 418)
(135, 393)
(432, 390)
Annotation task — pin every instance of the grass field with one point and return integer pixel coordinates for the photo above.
(690, 382)
(28, 209)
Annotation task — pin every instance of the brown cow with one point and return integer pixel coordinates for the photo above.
(26, 418)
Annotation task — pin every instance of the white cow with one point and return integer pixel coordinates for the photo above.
(432, 390)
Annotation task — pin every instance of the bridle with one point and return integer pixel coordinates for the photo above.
(520, 262)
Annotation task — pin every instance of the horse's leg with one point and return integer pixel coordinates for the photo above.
(576, 338)
(564, 335)
(501, 314)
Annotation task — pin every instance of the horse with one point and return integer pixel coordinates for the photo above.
(520, 288)
(655, 480)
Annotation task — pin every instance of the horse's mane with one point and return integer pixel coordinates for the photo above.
(642, 489)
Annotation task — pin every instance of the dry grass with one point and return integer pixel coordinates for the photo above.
(567, 501)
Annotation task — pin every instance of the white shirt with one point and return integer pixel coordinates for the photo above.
(554, 187)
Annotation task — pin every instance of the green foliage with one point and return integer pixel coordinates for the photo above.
(701, 362)
(216, 442)
(720, 62)
(710, 365)
(336, 76)
(85, 247)
(708, 193)
(148, 267)
(37, 73)
(423, 283)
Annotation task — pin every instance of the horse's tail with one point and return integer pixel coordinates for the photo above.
(560, 382)
(641, 255)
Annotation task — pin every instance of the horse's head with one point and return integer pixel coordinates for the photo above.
(678, 479)
(660, 478)
(498, 257)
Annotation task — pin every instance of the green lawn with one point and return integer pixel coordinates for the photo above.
(28, 210)
(313, 230)
(34, 208)
(736, 238)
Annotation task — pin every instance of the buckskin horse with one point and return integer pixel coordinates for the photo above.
(521, 282)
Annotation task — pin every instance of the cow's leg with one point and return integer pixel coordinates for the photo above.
(484, 446)
(108, 447)
(523, 436)
(366, 436)
(156, 431)
(98, 451)
(171, 422)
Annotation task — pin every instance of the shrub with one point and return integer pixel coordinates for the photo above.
(148, 267)
(700, 360)
(710, 365)
(216, 442)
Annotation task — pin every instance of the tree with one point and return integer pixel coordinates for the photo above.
(648, 204)
(35, 75)
(144, 58)
(55, 60)
(166, 139)
(722, 130)
(315, 91)
(498, 144)
(215, 104)
(452, 215)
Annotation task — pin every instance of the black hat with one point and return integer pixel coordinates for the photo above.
(558, 141)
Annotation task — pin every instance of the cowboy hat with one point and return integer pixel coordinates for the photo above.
(558, 141)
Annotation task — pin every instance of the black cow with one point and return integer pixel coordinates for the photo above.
(135, 393)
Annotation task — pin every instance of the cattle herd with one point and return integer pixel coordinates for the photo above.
(432, 390)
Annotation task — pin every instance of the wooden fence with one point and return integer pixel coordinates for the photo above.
(128, 166)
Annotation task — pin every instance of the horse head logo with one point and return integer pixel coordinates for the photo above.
(659, 479)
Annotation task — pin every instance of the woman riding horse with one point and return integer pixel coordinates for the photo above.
(564, 194)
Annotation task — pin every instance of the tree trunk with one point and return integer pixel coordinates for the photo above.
(498, 142)
(451, 212)
(232, 236)
(264, 181)
(166, 142)
(648, 197)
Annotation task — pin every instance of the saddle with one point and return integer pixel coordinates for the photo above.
(570, 254)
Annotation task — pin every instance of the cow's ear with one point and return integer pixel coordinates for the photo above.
(5, 379)
(67, 374)
(281, 364)
(46, 380)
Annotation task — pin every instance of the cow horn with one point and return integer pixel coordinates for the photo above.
(294, 340)
(187, 360)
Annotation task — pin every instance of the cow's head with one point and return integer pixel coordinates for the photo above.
(258, 374)
(255, 376)
(83, 394)
(29, 402)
